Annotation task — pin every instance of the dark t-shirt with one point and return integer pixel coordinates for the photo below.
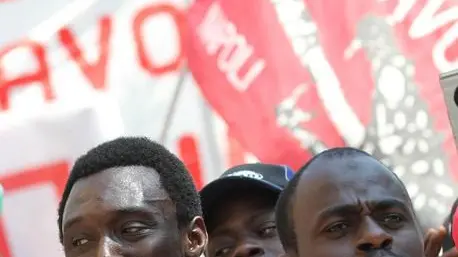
(448, 241)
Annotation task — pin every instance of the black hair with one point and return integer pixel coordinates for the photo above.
(284, 208)
(139, 151)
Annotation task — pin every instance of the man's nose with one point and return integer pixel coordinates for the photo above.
(247, 249)
(373, 237)
(109, 248)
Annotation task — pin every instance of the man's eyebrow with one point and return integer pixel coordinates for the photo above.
(262, 215)
(72, 222)
(339, 210)
(134, 210)
(351, 209)
(388, 203)
(144, 211)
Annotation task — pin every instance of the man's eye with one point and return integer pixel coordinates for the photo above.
(79, 242)
(269, 231)
(337, 229)
(222, 252)
(393, 220)
(134, 230)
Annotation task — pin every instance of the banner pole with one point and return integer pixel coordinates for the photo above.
(171, 110)
(176, 96)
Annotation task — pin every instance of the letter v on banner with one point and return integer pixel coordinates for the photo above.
(96, 72)
(246, 68)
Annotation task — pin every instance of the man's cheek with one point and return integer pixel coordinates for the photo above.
(274, 246)
(408, 243)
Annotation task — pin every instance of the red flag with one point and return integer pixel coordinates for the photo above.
(248, 71)
(375, 67)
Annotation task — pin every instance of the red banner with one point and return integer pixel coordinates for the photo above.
(375, 67)
(252, 77)
(55, 173)
(94, 71)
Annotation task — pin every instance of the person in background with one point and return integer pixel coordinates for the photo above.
(345, 203)
(239, 210)
(131, 197)
(448, 246)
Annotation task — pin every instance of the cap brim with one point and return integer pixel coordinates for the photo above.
(218, 189)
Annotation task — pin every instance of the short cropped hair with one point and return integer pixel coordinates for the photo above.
(284, 208)
(139, 151)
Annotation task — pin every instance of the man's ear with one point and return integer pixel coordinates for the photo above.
(196, 238)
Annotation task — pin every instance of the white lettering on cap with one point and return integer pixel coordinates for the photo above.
(247, 174)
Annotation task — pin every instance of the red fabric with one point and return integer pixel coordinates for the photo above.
(455, 229)
(250, 113)
(217, 37)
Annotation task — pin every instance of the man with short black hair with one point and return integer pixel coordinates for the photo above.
(345, 203)
(239, 210)
(131, 197)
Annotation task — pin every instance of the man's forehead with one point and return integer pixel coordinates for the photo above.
(235, 205)
(117, 188)
(237, 214)
(336, 180)
(133, 179)
(340, 170)
(346, 162)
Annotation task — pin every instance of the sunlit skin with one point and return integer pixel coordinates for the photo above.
(353, 206)
(124, 211)
(244, 226)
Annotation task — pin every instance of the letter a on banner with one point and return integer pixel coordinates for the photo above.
(96, 72)
(41, 74)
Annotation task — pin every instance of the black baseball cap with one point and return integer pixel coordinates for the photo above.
(269, 177)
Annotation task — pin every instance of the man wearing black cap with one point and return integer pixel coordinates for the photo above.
(239, 210)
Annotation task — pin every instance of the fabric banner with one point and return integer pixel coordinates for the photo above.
(302, 76)
(76, 73)
(40, 173)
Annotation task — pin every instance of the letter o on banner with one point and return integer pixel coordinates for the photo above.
(179, 19)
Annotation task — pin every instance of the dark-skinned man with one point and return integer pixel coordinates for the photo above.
(345, 203)
(131, 197)
(239, 211)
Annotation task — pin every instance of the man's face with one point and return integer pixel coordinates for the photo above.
(244, 225)
(354, 207)
(121, 212)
